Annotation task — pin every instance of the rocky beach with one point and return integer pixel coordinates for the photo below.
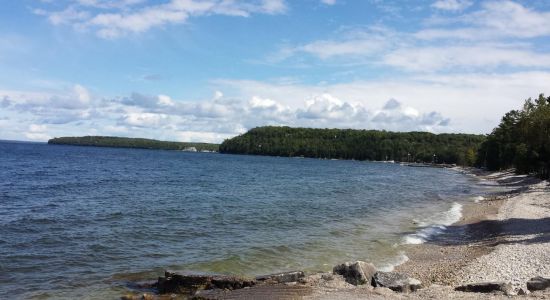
(499, 249)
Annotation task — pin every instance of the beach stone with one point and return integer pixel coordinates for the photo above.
(397, 282)
(285, 277)
(327, 277)
(485, 287)
(230, 282)
(356, 273)
(523, 292)
(190, 284)
(538, 283)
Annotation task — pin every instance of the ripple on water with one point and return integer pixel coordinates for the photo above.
(104, 215)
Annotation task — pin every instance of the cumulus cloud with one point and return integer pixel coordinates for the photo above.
(328, 107)
(392, 104)
(111, 19)
(208, 120)
(5, 102)
(394, 116)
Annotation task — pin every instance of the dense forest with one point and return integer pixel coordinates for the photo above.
(357, 144)
(122, 142)
(521, 141)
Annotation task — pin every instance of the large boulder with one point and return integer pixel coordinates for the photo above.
(190, 284)
(356, 273)
(396, 281)
(538, 283)
(285, 277)
(485, 287)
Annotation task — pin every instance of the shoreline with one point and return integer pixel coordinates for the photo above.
(507, 239)
(503, 237)
(435, 261)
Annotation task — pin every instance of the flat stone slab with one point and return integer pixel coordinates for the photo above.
(397, 282)
(485, 287)
(284, 277)
(190, 284)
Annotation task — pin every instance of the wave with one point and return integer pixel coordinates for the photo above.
(400, 259)
(477, 199)
(434, 225)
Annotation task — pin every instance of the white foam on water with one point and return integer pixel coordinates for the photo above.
(434, 225)
(399, 260)
(478, 199)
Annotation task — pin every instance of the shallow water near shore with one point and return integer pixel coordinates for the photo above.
(84, 221)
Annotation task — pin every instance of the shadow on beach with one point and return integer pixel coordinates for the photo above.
(495, 232)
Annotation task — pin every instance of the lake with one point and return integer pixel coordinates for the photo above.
(85, 221)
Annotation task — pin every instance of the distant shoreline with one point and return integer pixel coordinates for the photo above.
(134, 143)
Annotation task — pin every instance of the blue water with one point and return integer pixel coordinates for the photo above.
(85, 221)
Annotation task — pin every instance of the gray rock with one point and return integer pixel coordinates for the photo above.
(538, 283)
(356, 273)
(190, 284)
(396, 282)
(327, 277)
(485, 287)
(282, 277)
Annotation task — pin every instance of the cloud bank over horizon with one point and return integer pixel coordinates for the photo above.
(191, 70)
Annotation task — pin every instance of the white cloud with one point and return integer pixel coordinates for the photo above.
(474, 102)
(108, 4)
(145, 119)
(356, 43)
(67, 16)
(82, 94)
(452, 5)
(37, 132)
(126, 17)
(511, 19)
(162, 117)
(494, 20)
(465, 57)
(459, 74)
(490, 37)
(468, 102)
(164, 100)
(328, 2)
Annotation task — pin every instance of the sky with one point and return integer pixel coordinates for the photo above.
(207, 70)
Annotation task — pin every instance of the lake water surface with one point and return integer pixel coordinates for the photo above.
(84, 221)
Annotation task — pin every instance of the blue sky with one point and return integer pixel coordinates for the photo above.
(206, 70)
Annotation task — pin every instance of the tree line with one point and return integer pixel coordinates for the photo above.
(521, 140)
(123, 142)
(373, 145)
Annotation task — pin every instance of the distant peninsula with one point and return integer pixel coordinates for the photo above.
(373, 145)
(123, 142)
